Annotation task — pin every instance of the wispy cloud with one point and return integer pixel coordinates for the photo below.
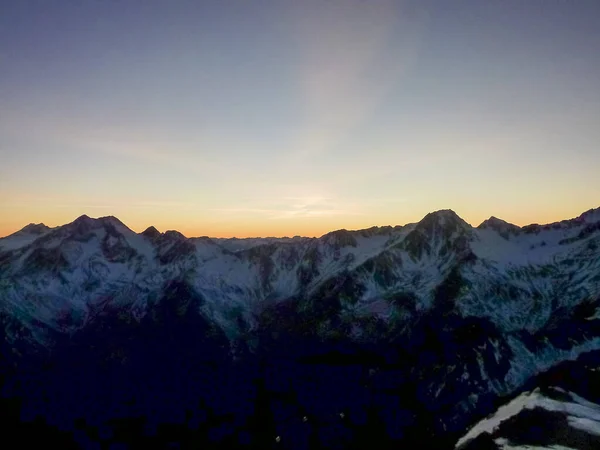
(237, 210)
(25, 199)
(347, 65)
(307, 213)
(294, 208)
(201, 152)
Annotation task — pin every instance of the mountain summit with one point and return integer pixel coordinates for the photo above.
(34, 228)
(151, 232)
(500, 226)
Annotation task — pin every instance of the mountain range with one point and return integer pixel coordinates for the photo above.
(383, 336)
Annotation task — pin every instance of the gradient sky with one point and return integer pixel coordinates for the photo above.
(285, 117)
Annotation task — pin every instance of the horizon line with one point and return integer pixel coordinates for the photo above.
(298, 235)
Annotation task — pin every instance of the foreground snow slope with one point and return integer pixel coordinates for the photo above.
(577, 418)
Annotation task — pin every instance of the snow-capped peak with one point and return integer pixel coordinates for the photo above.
(495, 222)
(34, 228)
(503, 228)
(591, 216)
(24, 236)
(112, 220)
(339, 239)
(444, 218)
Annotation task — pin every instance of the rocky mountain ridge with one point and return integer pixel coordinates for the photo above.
(443, 317)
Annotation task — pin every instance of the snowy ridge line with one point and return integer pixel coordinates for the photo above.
(582, 414)
(414, 258)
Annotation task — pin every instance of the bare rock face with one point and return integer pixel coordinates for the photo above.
(151, 233)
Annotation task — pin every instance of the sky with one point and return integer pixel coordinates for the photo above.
(282, 118)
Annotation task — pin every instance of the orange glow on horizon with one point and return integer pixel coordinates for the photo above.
(306, 227)
(312, 117)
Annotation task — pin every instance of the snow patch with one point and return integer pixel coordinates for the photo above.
(582, 414)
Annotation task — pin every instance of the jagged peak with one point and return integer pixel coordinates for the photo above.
(151, 232)
(85, 223)
(495, 222)
(82, 224)
(34, 228)
(111, 220)
(340, 238)
(443, 230)
(502, 227)
(174, 234)
(375, 230)
(341, 231)
(442, 218)
(82, 218)
(443, 214)
(591, 215)
(491, 221)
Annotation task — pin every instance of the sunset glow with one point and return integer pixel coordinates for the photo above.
(297, 118)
